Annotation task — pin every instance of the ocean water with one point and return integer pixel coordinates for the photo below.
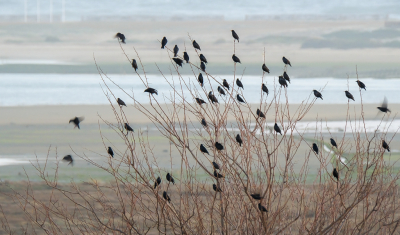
(68, 89)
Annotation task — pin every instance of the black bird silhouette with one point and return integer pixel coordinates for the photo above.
(196, 45)
(239, 139)
(163, 42)
(219, 146)
(166, 197)
(157, 182)
(121, 102)
(333, 143)
(220, 90)
(335, 174)
(286, 61)
(69, 159)
(203, 149)
(203, 122)
(178, 61)
(385, 145)
(110, 151)
(170, 179)
(128, 128)
(134, 64)
(151, 91)
(236, 59)
(215, 165)
(226, 84)
(260, 114)
(176, 49)
(76, 121)
(286, 77)
(200, 79)
(282, 81)
(200, 101)
(264, 88)
(315, 148)
(317, 94)
(361, 84)
(203, 58)
(349, 95)
(120, 36)
(218, 175)
(239, 83)
(384, 107)
(234, 35)
(216, 189)
(265, 68)
(277, 129)
(203, 67)
(256, 196)
(212, 97)
(240, 99)
(186, 56)
(262, 208)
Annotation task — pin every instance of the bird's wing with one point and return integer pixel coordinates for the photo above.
(385, 102)
(81, 118)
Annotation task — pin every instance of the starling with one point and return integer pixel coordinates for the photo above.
(239, 83)
(282, 81)
(240, 99)
(110, 151)
(203, 67)
(315, 148)
(120, 36)
(220, 90)
(333, 143)
(235, 59)
(69, 159)
(234, 35)
(178, 61)
(286, 61)
(218, 175)
(170, 179)
(385, 145)
(219, 146)
(225, 83)
(186, 56)
(216, 188)
(203, 149)
(335, 174)
(384, 105)
(176, 49)
(361, 84)
(157, 182)
(215, 165)
(163, 42)
(239, 139)
(349, 95)
(260, 114)
(256, 196)
(151, 91)
(166, 197)
(212, 97)
(196, 45)
(264, 88)
(134, 64)
(262, 208)
(200, 79)
(286, 77)
(265, 68)
(200, 101)
(277, 129)
(76, 121)
(128, 128)
(317, 94)
(203, 122)
(203, 58)
(121, 102)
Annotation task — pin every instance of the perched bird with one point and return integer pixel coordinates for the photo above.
(151, 91)
(120, 36)
(361, 84)
(317, 94)
(219, 146)
(128, 128)
(264, 88)
(203, 67)
(384, 106)
(239, 83)
(196, 45)
(349, 95)
(282, 81)
(212, 97)
(256, 196)
(76, 121)
(335, 174)
(121, 102)
(277, 129)
(203, 122)
(163, 42)
(68, 158)
(265, 68)
(186, 56)
(200, 101)
(218, 175)
(200, 79)
(157, 182)
(315, 148)
(240, 99)
(216, 188)
(333, 143)
(178, 61)
(236, 59)
(170, 179)
(166, 197)
(176, 49)
(234, 35)
(110, 151)
(134, 64)
(239, 139)
(262, 208)
(286, 61)
(286, 77)
(220, 90)
(385, 145)
(203, 149)
(226, 84)
(215, 165)
(260, 114)
(203, 58)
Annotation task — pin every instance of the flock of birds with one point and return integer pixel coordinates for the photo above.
(283, 79)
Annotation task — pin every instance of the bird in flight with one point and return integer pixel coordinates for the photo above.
(76, 121)
(384, 106)
(68, 158)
